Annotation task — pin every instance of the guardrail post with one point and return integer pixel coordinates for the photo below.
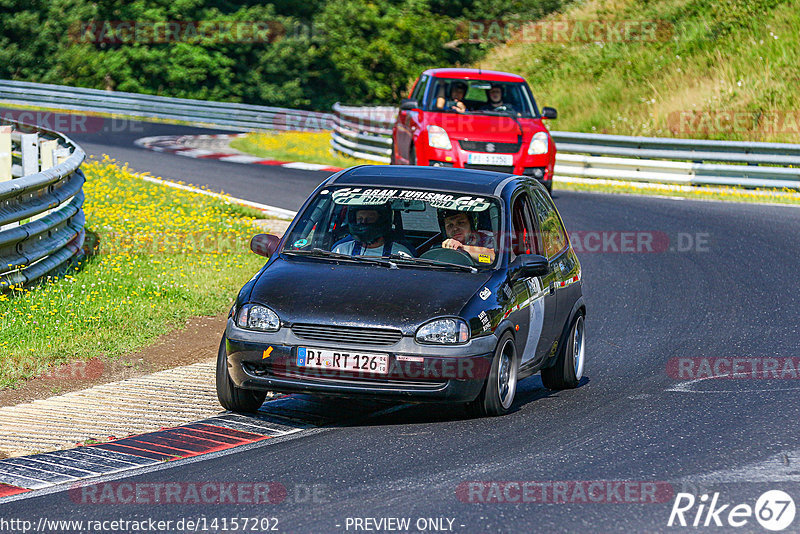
(29, 146)
(5, 153)
(61, 155)
(46, 149)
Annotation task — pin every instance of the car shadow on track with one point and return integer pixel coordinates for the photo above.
(311, 411)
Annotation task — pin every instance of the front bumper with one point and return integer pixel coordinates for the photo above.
(264, 361)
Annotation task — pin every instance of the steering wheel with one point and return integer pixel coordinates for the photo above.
(449, 255)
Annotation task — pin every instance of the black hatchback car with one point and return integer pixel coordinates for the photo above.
(414, 284)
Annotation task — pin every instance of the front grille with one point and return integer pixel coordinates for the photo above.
(261, 370)
(348, 334)
(481, 146)
(494, 168)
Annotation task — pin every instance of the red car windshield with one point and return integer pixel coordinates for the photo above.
(479, 97)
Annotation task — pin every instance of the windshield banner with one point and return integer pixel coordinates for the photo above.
(366, 196)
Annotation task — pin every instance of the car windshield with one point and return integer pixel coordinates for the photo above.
(478, 97)
(412, 227)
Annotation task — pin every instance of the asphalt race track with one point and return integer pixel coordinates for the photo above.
(722, 282)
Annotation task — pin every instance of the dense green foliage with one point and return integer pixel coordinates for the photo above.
(320, 51)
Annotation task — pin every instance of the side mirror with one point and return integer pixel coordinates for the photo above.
(549, 113)
(264, 244)
(529, 265)
(407, 104)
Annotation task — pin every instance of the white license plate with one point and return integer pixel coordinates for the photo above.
(343, 360)
(490, 159)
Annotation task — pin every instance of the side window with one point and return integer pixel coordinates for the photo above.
(419, 89)
(523, 233)
(554, 237)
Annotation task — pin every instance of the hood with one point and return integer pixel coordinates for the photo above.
(498, 129)
(306, 290)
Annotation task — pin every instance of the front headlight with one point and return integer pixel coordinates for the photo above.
(444, 332)
(437, 138)
(538, 143)
(255, 317)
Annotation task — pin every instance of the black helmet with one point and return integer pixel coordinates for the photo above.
(369, 232)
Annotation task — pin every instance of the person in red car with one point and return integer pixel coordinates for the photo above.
(495, 101)
(458, 90)
(475, 119)
(459, 226)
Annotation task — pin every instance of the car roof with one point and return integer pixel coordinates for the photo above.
(416, 177)
(475, 74)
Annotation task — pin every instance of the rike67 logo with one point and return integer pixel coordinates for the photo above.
(774, 510)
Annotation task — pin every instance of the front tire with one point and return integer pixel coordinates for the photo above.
(231, 397)
(568, 370)
(500, 387)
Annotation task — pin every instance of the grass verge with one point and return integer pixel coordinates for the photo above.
(164, 255)
(726, 69)
(308, 147)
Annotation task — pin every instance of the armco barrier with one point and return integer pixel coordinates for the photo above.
(41, 202)
(366, 133)
(223, 115)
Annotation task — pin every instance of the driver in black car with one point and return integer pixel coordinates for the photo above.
(460, 229)
(495, 102)
(370, 230)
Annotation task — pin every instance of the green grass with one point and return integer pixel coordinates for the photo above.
(727, 194)
(720, 56)
(164, 255)
(308, 147)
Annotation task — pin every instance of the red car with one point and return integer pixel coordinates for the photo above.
(474, 119)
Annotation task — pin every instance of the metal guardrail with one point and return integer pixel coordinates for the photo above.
(366, 133)
(41, 202)
(223, 115)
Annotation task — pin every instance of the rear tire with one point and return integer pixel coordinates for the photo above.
(500, 387)
(231, 397)
(568, 370)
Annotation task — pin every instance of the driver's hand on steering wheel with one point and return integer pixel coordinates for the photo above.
(453, 244)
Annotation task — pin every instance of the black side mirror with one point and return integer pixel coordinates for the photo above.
(529, 265)
(264, 244)
(549, 113)
(407, 104)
